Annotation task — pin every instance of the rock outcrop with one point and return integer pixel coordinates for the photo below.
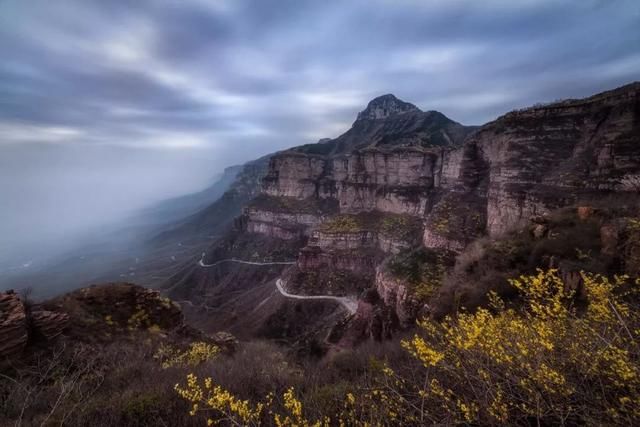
(385, 106)
(98, 308)
(571, 152)
(14, 328)
(395, 294)
(49, 324)
(21, 324)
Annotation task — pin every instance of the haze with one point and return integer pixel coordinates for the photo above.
(106, 107)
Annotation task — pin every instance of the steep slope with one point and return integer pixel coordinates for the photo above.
(178, 208)
(218, 214)
(531, 161)
(151, 246)
(98, 356)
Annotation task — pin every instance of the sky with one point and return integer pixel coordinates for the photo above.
(107, 106)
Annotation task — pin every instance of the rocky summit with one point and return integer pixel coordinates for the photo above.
(385, 106)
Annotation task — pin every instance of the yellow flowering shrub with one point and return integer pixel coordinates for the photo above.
(197, 353)
(224, 407)
(139, 319)
(553, 357)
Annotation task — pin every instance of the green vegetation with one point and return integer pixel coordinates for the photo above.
(139, 319)
(197, 352)
(343, 224)
(457, 217)
(292, 205)
(392, 225)
(555, 358)
(562, 240)
(401, 226)
(556, 346)
(330, 281)
(422, 269)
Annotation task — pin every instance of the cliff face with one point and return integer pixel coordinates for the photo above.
(13, 325)
(401, 179)
(524, 163)
(570, 152)
(398, 160)
(391, 160)
(21, 324)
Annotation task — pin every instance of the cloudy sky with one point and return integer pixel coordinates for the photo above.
(108, 105)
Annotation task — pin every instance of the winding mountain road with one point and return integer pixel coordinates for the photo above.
(239, 261)
(350, 304)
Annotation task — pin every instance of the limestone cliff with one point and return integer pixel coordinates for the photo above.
(531, 161)
(523, 164)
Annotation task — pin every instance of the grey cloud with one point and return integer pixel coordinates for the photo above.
(215, 83)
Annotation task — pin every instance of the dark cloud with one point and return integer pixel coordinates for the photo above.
(229, 80)
(205, 65)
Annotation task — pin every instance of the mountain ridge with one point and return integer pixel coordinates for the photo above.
(343, 208)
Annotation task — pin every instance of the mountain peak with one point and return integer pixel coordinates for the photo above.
(385, 106)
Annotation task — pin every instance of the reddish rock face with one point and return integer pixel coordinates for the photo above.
(524, 164)
(14, 332)
(49, 324)
(584, 212)
(395, 294)
(18, 325)
(543, 158)
(610, 237)
(280, 225)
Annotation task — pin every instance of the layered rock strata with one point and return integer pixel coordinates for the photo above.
(19, 324)
(458, 183)
(525, 164)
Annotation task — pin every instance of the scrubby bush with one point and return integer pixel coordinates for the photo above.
(548, 361)
(197, 353)
(422, 269)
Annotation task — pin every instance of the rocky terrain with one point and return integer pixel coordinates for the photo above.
(95, 314)
(98, 356)
(386, 212)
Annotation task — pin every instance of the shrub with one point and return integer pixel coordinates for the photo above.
(197, 353)
(422, 269)
(342, 224)
(547, 362)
